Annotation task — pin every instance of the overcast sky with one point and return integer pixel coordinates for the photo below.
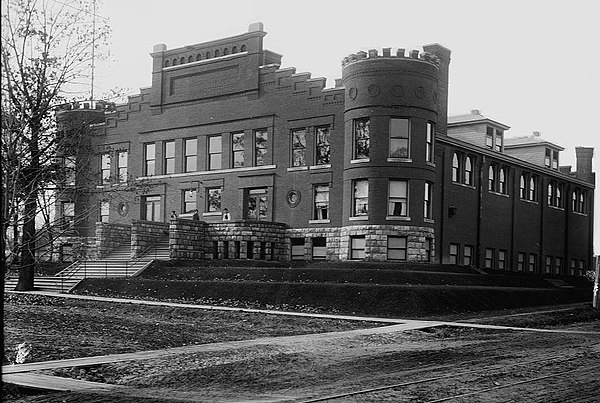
(533, 65)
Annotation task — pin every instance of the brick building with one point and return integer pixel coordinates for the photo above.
(280, 167)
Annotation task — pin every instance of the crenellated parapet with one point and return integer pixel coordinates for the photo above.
(417, 55)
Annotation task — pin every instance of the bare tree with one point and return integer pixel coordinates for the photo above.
(47, 50)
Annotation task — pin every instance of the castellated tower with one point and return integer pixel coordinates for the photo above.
(393, 105)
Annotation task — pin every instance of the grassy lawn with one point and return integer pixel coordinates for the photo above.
(60, 328)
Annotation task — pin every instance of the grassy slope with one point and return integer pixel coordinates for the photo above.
(375, 289)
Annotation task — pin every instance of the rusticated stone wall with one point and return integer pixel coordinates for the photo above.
(254, 240)
(147, 233)
(110, 236)
(338, 241)
(187, 239)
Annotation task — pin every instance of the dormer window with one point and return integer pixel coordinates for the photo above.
(499, 140)
(489, 137)
(551, 159)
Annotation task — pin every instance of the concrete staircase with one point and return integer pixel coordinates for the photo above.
(117, 264)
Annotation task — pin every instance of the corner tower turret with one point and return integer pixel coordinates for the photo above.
(392, 107)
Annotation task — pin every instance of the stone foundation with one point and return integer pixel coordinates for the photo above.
(187, 239)
(147, 233)
(110, 236)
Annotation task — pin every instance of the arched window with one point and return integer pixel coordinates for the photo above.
(243, 48)
(492, 178)
(522, 188)
(468, 171)
(217, 53)
(502, 181)
(175, 62)
(550, 193)
(558, 200)
(234, 49)
(532, 195)
(198, 57)
(167, 63)
(574, 201)
(581, 203)
(190, 59)
(182, 60)
(455, 168)
(225, 52)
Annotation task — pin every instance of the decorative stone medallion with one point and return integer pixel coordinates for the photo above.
(293, 197)
(353, 93)
(123, 208)
(398, 91)
(420, 92)
(374, 90)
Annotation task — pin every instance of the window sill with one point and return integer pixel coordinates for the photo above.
(324, 166)
(212, 214)
(360, 161)
(431, 164)
(429, 220)
(498, 194)
(319, 221)
(529, 201)
(217, 171)
(397, 218)
(294, 169)
(399, 160)
(556, 208)
(359, 218)
(580, 214)
(463, 185)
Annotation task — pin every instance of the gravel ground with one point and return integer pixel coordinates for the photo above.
(484, 365)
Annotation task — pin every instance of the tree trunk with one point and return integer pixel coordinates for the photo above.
(27, 261)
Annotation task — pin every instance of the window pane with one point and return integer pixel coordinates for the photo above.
(361, 138)
(261, 147)
(214, 199)
(214, 144)
(323, 146)
(396, 242)
(170, 149)
(299, 147)
(238, 149)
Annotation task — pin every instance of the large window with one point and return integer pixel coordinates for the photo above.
(189, 200)
(428, 201)
(548, 266)
(151, 208)
(319, 248)
(169, 158)
(502, 181)
(532, 262)
(398, 198)
(104, 211)
(321, 202)
(455, 168)
(489, 258)
(492, 178)
(105, 167)
(191, 155)
(551, 159)
(362, 138)
(213, 199)
(468, 179)
(454, 251)
(70, 167)
(489, 137)
(215, 152)
(521, 261)
(149, 159)
(237, 146)
(578, 201)
(67, 215)
(257, 204)
(558, 265)
(399, 138)
(397, 247)
(468, 255)
(122, 166)
(527, 187)
(497, 179)
(297, 249)
(323, 151)
(261, 147)
(298, 147)
(429, 143)
(555, 194)
(361, 197)
(357, 247)
(499, 140)
(502, 259)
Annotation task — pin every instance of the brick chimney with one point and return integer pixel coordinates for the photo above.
(584, 157)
